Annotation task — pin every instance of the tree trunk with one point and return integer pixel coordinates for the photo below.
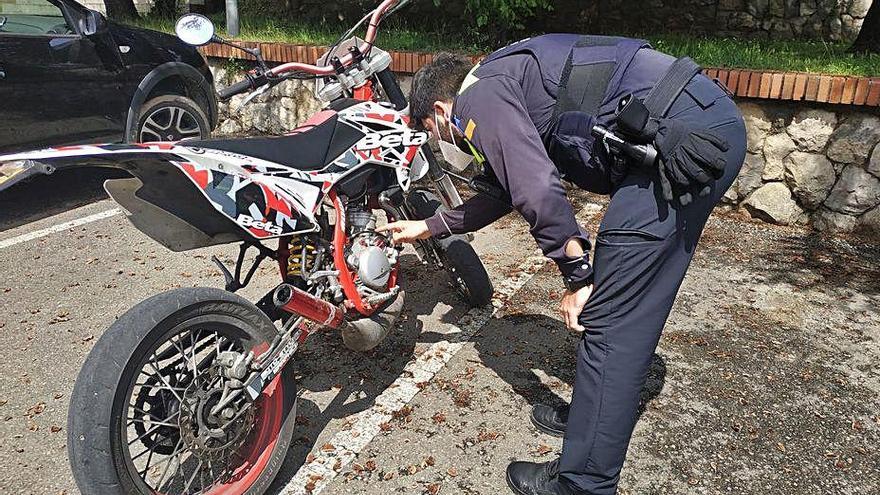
(869, 37)
(121, 9)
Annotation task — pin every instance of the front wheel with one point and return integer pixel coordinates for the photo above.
(142, 414)
(466, 270)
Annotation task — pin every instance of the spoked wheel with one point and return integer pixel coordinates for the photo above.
(171, 421)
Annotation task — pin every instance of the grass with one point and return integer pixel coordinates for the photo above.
(799, 56)
(391, 37)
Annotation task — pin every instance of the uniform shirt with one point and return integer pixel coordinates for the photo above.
(507, 114)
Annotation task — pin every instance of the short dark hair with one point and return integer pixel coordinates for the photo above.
(438, 80)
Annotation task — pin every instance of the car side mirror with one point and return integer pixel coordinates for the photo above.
(92, 23)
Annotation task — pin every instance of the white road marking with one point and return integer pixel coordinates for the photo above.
(316, 475)
(61, 227)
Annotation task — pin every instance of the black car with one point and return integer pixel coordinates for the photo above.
(68, 75)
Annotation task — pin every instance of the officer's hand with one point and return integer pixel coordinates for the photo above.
(572, 305)
(406, 230)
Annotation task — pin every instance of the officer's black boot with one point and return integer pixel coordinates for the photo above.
(550, 420)
(531, 478)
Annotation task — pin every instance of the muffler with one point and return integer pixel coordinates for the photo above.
(299, 302)
(361, 334)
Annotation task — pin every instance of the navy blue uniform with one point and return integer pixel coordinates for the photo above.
(644, 244)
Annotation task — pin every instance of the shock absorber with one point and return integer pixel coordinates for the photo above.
(302, 256)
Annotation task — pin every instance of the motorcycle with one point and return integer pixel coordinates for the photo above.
(192, 390)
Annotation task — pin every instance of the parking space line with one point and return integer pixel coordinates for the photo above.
(61, 227)
(316, 475)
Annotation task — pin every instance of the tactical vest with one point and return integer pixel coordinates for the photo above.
(582, 73)
(585, 76)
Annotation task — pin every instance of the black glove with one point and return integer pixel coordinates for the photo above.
(690, 158)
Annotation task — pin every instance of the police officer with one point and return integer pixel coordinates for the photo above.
(525, 114)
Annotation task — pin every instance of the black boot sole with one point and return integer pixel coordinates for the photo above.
(545, 429)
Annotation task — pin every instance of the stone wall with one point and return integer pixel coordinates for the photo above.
(767, 19)
(810, 165)
(807, 164)
(278, 111)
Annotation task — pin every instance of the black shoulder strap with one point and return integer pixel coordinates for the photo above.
(667, 89)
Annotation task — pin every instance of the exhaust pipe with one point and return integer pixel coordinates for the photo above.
(366, 333)
(360, 335)
(300, 302)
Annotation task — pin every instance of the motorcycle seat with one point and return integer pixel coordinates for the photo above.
(312, 146)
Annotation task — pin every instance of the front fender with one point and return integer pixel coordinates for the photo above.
(194, 81)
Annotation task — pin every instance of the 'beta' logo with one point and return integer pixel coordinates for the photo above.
(248, 221)
(392, 139)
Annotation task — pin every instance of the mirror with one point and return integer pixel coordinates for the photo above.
(92, 23)
(194, 29)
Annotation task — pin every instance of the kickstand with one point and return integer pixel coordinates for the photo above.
(234, 282)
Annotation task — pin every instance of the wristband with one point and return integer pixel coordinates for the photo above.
(577, 273)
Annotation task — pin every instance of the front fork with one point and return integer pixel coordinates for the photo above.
(442, 181)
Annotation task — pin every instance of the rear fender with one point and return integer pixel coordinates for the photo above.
(251, 203)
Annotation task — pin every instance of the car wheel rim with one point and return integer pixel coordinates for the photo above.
(170, 124)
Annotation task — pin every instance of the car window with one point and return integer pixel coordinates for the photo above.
(37, 17)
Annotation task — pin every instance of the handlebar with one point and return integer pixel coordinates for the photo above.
(252, 82)
(256, 80)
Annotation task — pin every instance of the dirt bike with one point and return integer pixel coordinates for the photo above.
(191, 391)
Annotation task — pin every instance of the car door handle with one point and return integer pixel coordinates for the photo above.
(2, 73)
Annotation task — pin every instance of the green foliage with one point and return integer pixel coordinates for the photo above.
(802, 56)
(501, 16)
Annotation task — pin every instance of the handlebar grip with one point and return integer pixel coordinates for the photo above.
(251, 82)
(237, 88)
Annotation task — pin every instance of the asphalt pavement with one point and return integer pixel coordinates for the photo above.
(769, 385)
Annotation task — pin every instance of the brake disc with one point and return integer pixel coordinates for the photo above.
(212, 437)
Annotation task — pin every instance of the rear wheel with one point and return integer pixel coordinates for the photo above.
(172, 118)
(142, 414)
(466, 271)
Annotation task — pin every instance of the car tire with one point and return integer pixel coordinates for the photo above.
(171, 118)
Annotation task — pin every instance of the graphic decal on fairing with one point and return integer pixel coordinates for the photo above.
(259, 209)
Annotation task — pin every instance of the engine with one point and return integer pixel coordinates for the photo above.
(370, 255)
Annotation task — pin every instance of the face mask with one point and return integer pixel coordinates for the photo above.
(457, 159)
